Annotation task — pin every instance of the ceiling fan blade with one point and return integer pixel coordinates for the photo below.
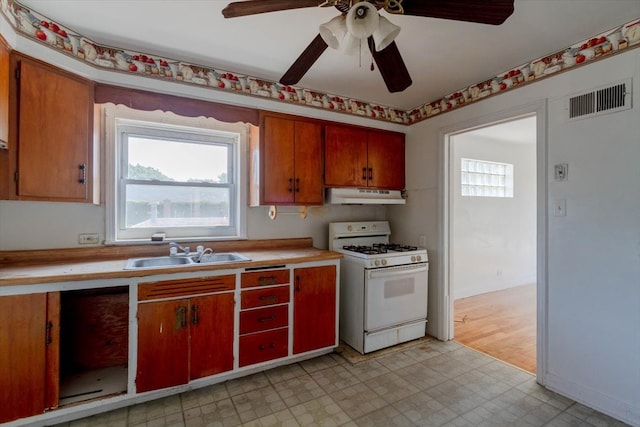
(306, 59)
(253, 7)
(493, 12)
(391, 66)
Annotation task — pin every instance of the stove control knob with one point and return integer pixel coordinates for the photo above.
(349, 228)
(377, 262)
(413, 258)
(419, 258)
(384, 262)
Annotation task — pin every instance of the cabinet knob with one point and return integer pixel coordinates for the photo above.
(261, 347)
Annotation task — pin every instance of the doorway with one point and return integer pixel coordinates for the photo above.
(493, 240)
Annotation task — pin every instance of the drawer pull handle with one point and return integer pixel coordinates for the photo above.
(262, 347)
(181, 317)
(83, 173)
(272, 345)
(267, 280)
(266, 319)
(268, 298)
(364, 174)
(194, 314)
(47, 338)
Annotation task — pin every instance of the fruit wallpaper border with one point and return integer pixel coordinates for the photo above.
(41, 29)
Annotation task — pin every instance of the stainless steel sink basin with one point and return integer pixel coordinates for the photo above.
(222, 257)
(176, 261)
(159, 261)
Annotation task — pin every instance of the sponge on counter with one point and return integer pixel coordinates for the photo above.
(158, 237)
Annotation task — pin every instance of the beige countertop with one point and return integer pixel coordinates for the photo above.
(74, 265)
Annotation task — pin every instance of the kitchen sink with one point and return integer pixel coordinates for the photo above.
(176, 261)
(160, 261)
(222, 257)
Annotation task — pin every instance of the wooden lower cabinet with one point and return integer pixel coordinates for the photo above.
(263, 346)
(180, 340)
(314, 308)
(211, 335)
(29, 355)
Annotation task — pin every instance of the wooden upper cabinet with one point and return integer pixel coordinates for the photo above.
(356, 157)
(278, 161)
(289, 162)
(385, 160)
(345, 157)
(54, 133)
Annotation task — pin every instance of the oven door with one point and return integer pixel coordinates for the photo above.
(395, 295)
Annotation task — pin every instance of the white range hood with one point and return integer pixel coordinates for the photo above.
(362, 196)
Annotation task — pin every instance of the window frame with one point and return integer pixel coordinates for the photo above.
(508, 177)
(121, 121)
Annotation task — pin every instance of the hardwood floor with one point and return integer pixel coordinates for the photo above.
(501, 324)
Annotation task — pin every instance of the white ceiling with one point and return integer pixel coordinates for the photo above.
(442, 56)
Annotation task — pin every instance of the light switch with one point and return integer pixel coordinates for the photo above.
(561, 171)
(560, 207)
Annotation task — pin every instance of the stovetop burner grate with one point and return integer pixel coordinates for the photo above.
(379, 248)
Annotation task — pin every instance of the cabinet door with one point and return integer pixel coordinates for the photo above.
(29, 331)
(386, 160)
(211, 333)
(314, 308)
(277, 165)
(55, 115)
(163, 344)
(308, 164)
(4, 92)
(345, 157)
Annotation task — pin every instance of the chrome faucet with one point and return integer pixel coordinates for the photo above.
(174, 247)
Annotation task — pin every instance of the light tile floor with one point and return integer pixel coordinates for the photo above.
(432, 383)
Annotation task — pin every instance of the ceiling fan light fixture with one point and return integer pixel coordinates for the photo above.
(350, 45)
(385, 33)
(362, 20)
(334, 31)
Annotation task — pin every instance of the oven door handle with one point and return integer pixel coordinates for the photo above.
(397, 271)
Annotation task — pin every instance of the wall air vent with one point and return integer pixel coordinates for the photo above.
(607, 99)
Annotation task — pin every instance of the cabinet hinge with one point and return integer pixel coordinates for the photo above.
(15, 177)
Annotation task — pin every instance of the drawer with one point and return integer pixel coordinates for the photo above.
(264, 278)
(263, 346)
(262, 297)
(186, 287)
(263, 319)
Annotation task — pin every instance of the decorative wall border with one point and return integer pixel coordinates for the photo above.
(31, 24)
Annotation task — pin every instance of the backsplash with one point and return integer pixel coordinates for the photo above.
(31, 24)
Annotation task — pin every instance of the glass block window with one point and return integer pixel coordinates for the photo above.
(480, 178)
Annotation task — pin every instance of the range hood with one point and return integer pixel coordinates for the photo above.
(362, 196)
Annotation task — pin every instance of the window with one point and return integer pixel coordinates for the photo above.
(481, 178)
(174, 175)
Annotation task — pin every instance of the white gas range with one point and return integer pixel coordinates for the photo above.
(383, 286)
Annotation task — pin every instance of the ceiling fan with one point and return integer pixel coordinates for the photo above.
(360, 21)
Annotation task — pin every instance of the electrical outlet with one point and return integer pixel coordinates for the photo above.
(88, 239)
(422, 241)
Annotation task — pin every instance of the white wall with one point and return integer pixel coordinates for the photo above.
(48, 225)
(493, 240)
(593, 255)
